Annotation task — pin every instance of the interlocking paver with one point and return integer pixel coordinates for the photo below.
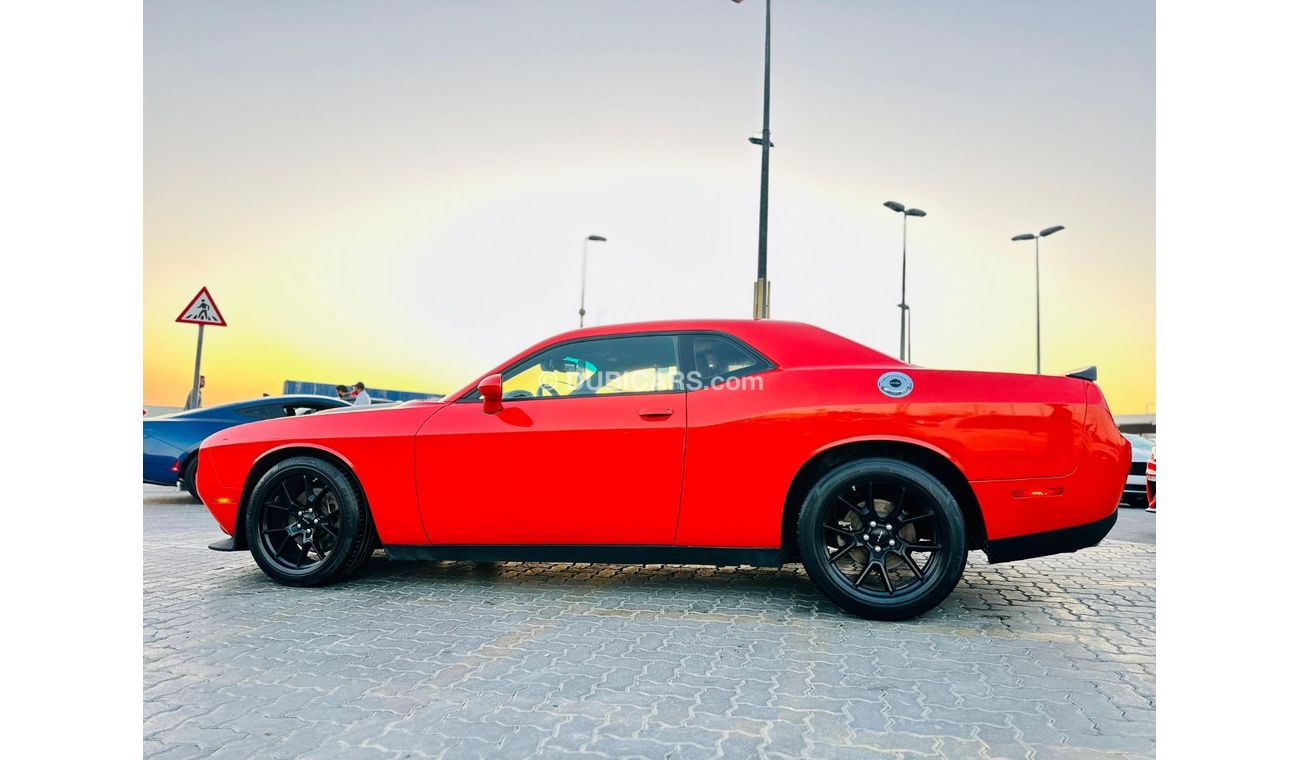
(1050, 658)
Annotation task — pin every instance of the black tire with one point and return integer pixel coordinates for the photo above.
(188, 475)
(865, 560)
(306, 506)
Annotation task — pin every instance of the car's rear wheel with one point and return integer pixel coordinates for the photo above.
(307, 523)
(884, 539)
(188, 476)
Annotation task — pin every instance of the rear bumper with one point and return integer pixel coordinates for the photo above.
(1050, 542)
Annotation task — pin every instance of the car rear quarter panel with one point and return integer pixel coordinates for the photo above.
(744, 446)
(377, 444)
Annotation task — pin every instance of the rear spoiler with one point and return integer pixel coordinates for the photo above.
(1088, 373)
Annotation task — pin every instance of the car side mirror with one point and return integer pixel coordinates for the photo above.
(489, 388)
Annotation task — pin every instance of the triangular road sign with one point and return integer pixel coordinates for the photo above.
(202, 311)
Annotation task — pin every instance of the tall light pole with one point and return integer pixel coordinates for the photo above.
(762, 288)
(1038, 293)
(582, 302)
(904, 319)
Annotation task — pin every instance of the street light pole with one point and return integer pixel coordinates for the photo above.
(762, 288)
(582, 302)
(1038, 294)
(904, 316)
(1038, 313)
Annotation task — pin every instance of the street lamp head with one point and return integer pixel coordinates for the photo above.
(1051, 230)
(895, 206)
(596, 238)
(915, 212)
(1026, 236)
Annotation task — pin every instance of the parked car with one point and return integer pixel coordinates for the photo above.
(1135, 488)
(1151, 482)
(171, 441)
(699, 442)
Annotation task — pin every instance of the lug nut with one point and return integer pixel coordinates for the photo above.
(872, 524)
(891, 542)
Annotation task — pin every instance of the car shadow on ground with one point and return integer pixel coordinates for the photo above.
(773, 595)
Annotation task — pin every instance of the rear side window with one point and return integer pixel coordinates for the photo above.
(719, 357)
(262, 411)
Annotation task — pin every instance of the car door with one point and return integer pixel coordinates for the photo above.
(587, 449)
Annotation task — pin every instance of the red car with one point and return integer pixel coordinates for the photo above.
(698, 442)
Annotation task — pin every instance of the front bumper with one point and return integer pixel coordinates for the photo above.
(1059, 541)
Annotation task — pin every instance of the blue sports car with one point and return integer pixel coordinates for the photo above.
(172, 440)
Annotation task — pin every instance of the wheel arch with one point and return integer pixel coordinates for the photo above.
(273, 457)
(932, 460)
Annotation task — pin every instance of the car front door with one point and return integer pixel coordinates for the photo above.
(587, 449)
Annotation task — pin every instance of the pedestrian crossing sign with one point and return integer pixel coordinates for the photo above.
(202, 311)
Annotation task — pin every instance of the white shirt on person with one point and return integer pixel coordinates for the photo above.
(362, 399)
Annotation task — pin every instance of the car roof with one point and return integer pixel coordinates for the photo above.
(787, 344)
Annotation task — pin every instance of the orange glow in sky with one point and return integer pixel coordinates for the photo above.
(396, 193)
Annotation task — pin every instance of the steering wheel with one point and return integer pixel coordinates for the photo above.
(547, 390)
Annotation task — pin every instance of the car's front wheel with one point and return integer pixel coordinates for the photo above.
(884, 539)
(307, 523)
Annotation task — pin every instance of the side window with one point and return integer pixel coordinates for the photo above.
(629, 364)
(301, 409)
(262, 412)
(720, 357)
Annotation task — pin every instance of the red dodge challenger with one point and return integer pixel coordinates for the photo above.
(699, 442)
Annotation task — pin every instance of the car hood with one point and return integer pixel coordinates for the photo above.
(344, 422)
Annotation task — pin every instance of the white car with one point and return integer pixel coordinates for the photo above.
(1135, 486)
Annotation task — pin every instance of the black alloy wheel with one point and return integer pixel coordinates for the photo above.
(307, 523)
(882, 538)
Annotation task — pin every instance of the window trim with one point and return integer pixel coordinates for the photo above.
(472, 394)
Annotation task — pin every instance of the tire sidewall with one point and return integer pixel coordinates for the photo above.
(189, 475)
(934, 589)
(350, 522)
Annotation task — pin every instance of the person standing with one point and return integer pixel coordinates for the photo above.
(195, 398)
(363, 398)
(342, 392)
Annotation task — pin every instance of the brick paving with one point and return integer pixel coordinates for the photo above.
(1048, 658)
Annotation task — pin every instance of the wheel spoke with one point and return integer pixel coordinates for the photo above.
(911, 563)
(840, 552)
(284, 485)
(838, 529)
(884, 575)
(273, 505)
(916, 518)
(859, 510)
(863, 577)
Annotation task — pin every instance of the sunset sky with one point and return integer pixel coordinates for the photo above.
(396, 192)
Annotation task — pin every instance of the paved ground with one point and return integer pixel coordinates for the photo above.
(1049, 658)
(1134, 525)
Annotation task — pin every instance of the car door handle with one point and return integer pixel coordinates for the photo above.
(656, 413)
